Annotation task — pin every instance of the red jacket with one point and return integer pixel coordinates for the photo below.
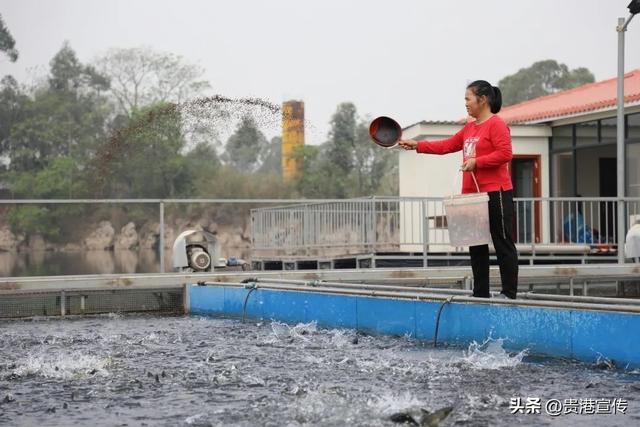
(490, 144)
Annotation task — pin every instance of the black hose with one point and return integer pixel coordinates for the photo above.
(252, 288)
(435, 336)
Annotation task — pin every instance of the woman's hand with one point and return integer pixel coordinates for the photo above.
(469, 165)
(408, 144)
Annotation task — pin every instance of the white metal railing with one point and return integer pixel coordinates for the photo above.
(575, 224)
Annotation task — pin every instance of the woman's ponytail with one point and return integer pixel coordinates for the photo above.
(496, 103)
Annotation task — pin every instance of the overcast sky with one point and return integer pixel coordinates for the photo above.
(407, 59)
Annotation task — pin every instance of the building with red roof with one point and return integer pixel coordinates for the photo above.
(593, 98)
(564, 145)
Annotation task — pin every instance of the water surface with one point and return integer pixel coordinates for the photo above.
(199, 371)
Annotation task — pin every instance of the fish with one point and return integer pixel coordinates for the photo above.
(403, 418)
(433, 419)
(423, 418)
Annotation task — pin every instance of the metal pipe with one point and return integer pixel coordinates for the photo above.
(371, 286)
(443, 297)
(621, 28)
(161, 237)
(317, 283)
(591, 271)
(583, 299)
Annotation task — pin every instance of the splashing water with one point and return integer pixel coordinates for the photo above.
(195, 419)
(491, 355)
(298, 332)
(389, 403)
(64, 366)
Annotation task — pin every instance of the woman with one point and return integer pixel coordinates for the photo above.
(486, 151)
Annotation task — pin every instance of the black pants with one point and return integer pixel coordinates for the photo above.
(501, 224)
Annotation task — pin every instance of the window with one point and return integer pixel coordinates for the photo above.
(587, 133)
(562, 137)
(563, 174)
(633, 127)
(593, 166)
(633, 170)
(608, 130)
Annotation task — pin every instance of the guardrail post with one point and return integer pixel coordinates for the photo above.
(372, 235)
(186, 298)
(306, 233)
(161, 237)
(425, 234)
(63, 303)
(571, 286)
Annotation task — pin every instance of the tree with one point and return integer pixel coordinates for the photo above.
(375, 170)
(314, 179)
(271, 157)
(13, 102)
(68, 74)
(56, 181)
(47, 137)
(245, 145)
(144, 159)
(7, 42)
(347, 164)
(141, 77)
(329, 171)
(202, 164)
(342, 138)
(541, 78)
(64, 118)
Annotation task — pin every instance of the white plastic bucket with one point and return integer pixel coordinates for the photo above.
(468, 219)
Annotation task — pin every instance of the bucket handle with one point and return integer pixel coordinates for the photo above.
(473, 175)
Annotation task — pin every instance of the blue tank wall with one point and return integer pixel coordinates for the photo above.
(581, 334)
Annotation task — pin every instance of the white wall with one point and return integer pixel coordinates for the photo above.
(422, 175)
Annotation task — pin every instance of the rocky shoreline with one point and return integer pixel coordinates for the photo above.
(102, 236)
